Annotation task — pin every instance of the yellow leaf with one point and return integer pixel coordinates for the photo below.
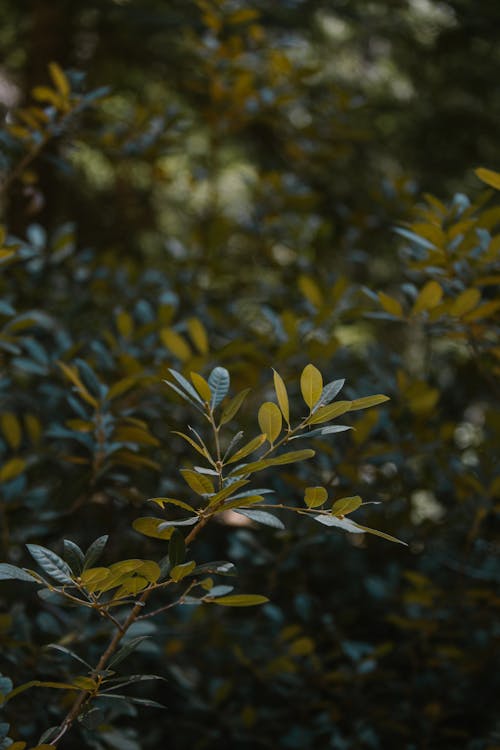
(200, 483)
(201, 386)
(315, 496)
(489, 177)
(131, 586)
(282, 396)
(250, 447)
(430, 296)
(346, 505)
(135, 435)
(198, 334)
(92, 577)
(59, 78)
(72, 375)
(465, 302)
(44, 94)
(85, 683)
(181, 571)
(149, 527)
(390, 305)
(311, 291)
(11, 429)
(125, 324)
(270, 420)
(483, 311)
(367, 401)
(12, 469)
(324, 413)
(176, 344)
(311, 385)
(239, 600)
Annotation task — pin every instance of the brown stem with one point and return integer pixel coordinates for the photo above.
(113, 645)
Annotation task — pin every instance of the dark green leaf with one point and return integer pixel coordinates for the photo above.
(176, 549)
(219, 381)
(261, 516)
(11, 572)
(50, 563)
(95, 551)
(73, 556)
(126, 650)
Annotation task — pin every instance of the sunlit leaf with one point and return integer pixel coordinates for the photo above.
(282, 396)
(270, 420)
(311, 385)
(315, 496)
(239, 600)
(346, 505)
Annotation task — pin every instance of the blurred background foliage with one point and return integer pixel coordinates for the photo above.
(218, 182)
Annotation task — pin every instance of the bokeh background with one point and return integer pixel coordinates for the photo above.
(258, 185)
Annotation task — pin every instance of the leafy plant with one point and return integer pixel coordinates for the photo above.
(122, 592)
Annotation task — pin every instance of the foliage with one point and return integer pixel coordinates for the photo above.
(213, 255)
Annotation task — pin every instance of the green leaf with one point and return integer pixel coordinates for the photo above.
(342, 523)
(282, 396)
(95, 551)
(346, 505)
(221, 567)
(489, 177)
(315, 496)
(324, 413)
(234, 406)
(270, 420)
(367, 401)
(13, 573)
(68, 652)
(73, 556)
(245, 451)
(239, 600)
(198, 482)
(181, 571)
(126, 650)
(311, 385)
(219, 382)
(150, 526)
(329, 392)
(51, 563)
(176, 549)
(261, 516)
(130, 699)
